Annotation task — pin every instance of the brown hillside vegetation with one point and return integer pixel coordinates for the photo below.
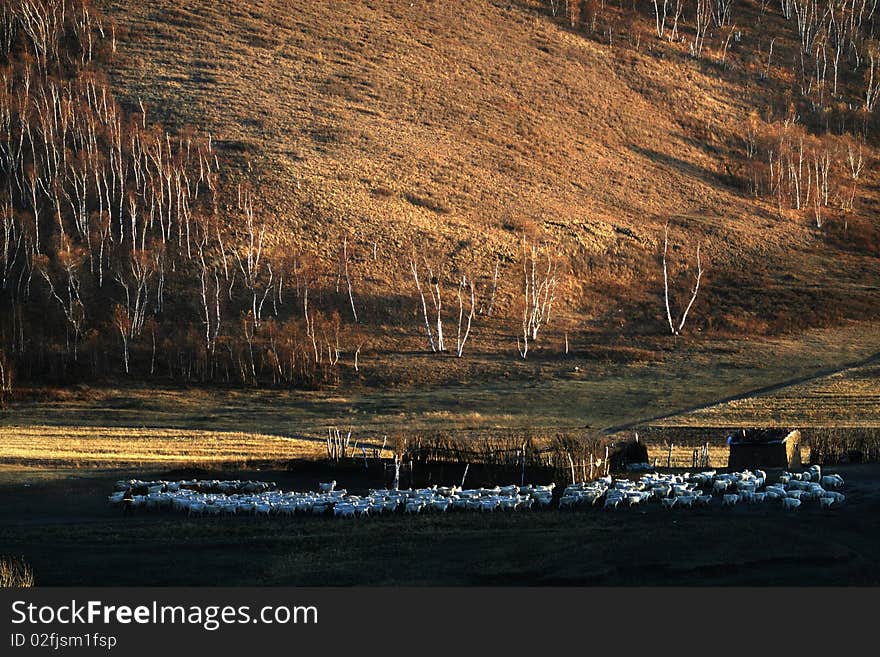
(466, 123)
(242, 194)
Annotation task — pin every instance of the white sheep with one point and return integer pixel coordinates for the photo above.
(508, 504)
(612, 502)
(832, 481)
(729, 499)
(568, 501)
(489, 504)
(661, 491)
(686, 500)
(543, 500)
(328, 487)
(720, 485)
(790, 503)
(637, 498)
(440, 504)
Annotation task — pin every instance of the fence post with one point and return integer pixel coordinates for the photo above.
(467, 465)
(669, 457)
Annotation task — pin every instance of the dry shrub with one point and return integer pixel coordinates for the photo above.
(504, 449)
(520, 225)
(850, 445)
(486, 448)
(15, 573)
(593, 10)
(854, 233)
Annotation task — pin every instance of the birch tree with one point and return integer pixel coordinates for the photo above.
(538, 293)
(674, 328)
(465, 285)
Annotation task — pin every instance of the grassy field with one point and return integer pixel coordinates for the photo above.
(61, 454)
(54, 480)
(846, 399)
(107, 446)
(598, 394)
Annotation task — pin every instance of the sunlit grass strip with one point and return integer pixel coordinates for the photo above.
(103, 445)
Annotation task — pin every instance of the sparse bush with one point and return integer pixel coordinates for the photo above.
(15, 573)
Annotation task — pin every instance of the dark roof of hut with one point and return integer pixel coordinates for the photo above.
(757, 436)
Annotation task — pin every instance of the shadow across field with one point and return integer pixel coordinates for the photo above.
(64, 528)
(565, 393)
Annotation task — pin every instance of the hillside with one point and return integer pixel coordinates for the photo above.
(455, 129)
(465, 123)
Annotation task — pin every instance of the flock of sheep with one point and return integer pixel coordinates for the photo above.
(215, 498)
(702, 488)
(191, 500)
(226, 487)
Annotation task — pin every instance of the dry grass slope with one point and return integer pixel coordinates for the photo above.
(205, 423)
(847, 399)
(467, 123)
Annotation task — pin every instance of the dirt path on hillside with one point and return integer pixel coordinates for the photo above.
(755, 392)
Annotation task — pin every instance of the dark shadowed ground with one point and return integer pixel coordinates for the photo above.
(60, 522)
